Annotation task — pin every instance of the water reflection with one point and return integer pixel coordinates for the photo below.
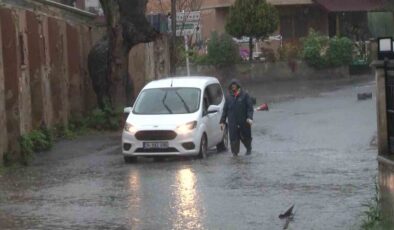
(188, 209)
(386, 185)
(134, 203)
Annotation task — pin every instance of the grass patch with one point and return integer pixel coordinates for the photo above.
(104, 120)
(36, 141)
(42, 139)
(97, 120)
(372, 216)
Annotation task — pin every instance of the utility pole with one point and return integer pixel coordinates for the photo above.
(173, 39)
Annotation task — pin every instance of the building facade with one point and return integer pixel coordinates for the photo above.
(330, 17)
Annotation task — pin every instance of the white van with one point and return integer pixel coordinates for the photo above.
(175, 117)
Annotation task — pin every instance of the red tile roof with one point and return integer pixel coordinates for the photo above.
(352, 5)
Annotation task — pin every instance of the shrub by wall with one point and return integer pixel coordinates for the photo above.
(324, 52)
(222, 50)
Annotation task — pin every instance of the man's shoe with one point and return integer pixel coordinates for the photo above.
(248, 152)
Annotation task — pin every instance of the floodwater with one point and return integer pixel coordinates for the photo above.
(316, 152)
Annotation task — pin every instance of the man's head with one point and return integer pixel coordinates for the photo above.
(234, 85)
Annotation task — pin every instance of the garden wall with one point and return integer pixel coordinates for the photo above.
(260, 71)
(44, 78)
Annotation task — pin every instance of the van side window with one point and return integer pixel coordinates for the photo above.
(215, 94)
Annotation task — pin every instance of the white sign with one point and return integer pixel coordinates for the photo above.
(193, 16)
(187, 23)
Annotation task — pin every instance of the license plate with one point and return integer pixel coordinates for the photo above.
(155, 145)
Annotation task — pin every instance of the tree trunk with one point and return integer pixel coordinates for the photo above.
(173, 39)
(250, 49)
(126, 27)
(116, 60)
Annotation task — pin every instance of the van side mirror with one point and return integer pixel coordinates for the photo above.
(213, 109)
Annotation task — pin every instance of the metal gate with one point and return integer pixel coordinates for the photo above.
(389, 78)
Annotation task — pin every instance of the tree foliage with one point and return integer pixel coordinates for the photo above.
(222, 50)
(252, 18)
(127, 26)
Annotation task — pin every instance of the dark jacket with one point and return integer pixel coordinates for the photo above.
(237, 108)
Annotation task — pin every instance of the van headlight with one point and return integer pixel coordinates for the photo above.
(130, 128)
(186, 128)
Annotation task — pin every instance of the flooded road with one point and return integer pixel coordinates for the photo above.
(314, 152)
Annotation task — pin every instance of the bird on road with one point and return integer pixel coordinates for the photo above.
(288, 215)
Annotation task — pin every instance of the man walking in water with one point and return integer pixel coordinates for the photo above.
(238, 109)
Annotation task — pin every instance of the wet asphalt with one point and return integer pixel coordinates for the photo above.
(316, 152)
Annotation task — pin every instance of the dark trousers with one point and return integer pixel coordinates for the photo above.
(240, 134)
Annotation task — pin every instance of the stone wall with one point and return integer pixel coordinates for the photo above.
(44, 78)
(265, 71)
(43, 74)
(149, 62)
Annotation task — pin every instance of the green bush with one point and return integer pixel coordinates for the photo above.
(42, 141)
(222, 50)
(43, 138)
(106, 119)
(35, 141)
(289, 51)
(339, 52)
(201, 59)
(26, 149)
(61, 131)
(372, 218)
(323, 52)
(314, 49)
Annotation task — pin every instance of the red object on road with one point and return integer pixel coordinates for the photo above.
(263, 107)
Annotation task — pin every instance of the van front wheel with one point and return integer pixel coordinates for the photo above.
(223, 145)
(203, 147)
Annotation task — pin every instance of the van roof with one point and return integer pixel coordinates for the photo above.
(192, 81)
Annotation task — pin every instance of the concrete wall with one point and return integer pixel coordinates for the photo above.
(149, 62)
(208, 22)
(381, 106)
(260, 71)
(386, 192)
(43, 76)
(3, 121)
(385, 157)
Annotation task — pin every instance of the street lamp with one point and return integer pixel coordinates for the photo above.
(385, 48)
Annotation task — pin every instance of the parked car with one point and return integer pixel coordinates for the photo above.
(175, 117)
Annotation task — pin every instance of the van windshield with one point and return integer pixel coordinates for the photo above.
(168, 101)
